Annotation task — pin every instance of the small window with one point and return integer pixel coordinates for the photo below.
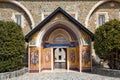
(101, 19)
(18, 19)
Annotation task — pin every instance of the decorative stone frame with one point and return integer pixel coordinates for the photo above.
(14, 18)
(69, 25)
(97, 16)
(18, 4)
(119, 16)
(93, 9)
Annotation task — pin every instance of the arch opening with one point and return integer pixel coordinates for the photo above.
(23, 8)
(60, 31)
(62, 42)
(94, 8)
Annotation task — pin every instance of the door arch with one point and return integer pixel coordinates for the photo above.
(66, 23)
(60, 38)
(74, 37)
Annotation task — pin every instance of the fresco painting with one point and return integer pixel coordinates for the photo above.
(86, 38)
(32, 42)
(73, 58)
(46, 58)
(34, 58)
(33, 39)
(86, 58)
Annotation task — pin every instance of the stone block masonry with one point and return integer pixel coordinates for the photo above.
(8, 75)
(106, 72)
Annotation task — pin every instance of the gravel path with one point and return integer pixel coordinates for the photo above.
(63, 76)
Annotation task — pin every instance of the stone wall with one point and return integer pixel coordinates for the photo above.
(7, 10)
(111, 8)
(37, 7)
(106, 72)
(8, 75)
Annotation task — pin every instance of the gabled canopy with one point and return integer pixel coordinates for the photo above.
(46, 20)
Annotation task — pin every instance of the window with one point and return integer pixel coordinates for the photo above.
(18, 19)
(102, 17)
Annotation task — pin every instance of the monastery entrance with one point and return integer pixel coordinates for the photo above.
(60, 58)
(59, 42)
(60, 48)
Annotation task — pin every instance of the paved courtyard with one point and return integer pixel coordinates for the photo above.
(63, 76)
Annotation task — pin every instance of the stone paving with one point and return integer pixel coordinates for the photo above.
(63, 76)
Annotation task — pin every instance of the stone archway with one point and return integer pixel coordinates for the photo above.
(60, 40)
(63, 22)
(93, 9)
(39, 39)
(23, 8)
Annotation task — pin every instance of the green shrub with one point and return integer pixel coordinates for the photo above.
(12, 46)
(107, 43)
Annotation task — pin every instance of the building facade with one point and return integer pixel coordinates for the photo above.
(59, 34)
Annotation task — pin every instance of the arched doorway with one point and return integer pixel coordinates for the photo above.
(60, 41)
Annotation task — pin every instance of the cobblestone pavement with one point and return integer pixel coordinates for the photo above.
(63, 76)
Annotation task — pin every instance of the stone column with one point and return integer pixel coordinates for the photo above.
(80, 57)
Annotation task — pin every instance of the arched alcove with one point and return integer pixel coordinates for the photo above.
(18, 4)
(99, 3)
(61, 42)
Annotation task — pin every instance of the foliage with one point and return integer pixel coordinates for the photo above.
(107, 42)
(12, 46)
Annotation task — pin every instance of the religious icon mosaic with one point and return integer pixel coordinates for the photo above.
(47, 57)
(34, 56)
(86, 56)
(72, 56)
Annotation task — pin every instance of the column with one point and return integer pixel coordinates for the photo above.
(28, 58)
(68, 66)
(52, 59)
(80, 57)
(39, 59)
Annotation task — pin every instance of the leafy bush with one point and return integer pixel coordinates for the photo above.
(107, 43)
(12, 46)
